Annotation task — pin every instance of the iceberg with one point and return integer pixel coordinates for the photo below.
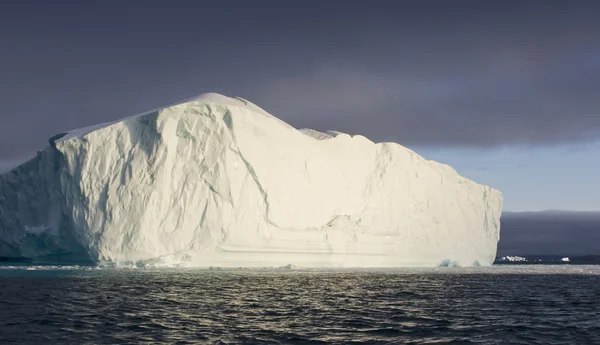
(217, 181)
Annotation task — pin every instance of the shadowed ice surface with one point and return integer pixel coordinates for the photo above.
(497, 305)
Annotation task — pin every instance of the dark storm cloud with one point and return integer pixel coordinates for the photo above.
(461, 73)
(549, 233)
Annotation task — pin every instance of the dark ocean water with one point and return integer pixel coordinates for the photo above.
(183, 306)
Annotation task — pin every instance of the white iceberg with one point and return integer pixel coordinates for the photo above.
(217, 181)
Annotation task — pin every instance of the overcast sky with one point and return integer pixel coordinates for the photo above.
(550, 233)
(507, 92)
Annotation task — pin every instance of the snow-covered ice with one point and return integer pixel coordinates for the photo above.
(217, 181)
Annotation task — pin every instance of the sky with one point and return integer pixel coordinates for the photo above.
(506, 92)
(550, 233)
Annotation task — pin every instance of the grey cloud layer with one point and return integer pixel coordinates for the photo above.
(549, 233)
(429, 74)
(534, 102)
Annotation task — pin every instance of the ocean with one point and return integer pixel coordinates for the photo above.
(128, 305)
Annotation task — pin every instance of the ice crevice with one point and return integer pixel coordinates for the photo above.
(235, 148)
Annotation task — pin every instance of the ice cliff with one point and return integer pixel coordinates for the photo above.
(217, 181)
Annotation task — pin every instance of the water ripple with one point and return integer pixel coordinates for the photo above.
(240, 307)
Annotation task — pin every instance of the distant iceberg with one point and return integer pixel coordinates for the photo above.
(512, 258)
(217, 181)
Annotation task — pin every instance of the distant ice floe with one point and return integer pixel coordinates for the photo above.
(512, 258)
(495, 270)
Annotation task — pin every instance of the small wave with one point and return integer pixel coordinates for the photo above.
(494, 270)
(47, 267)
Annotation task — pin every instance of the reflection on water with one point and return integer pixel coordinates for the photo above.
(193, 306)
